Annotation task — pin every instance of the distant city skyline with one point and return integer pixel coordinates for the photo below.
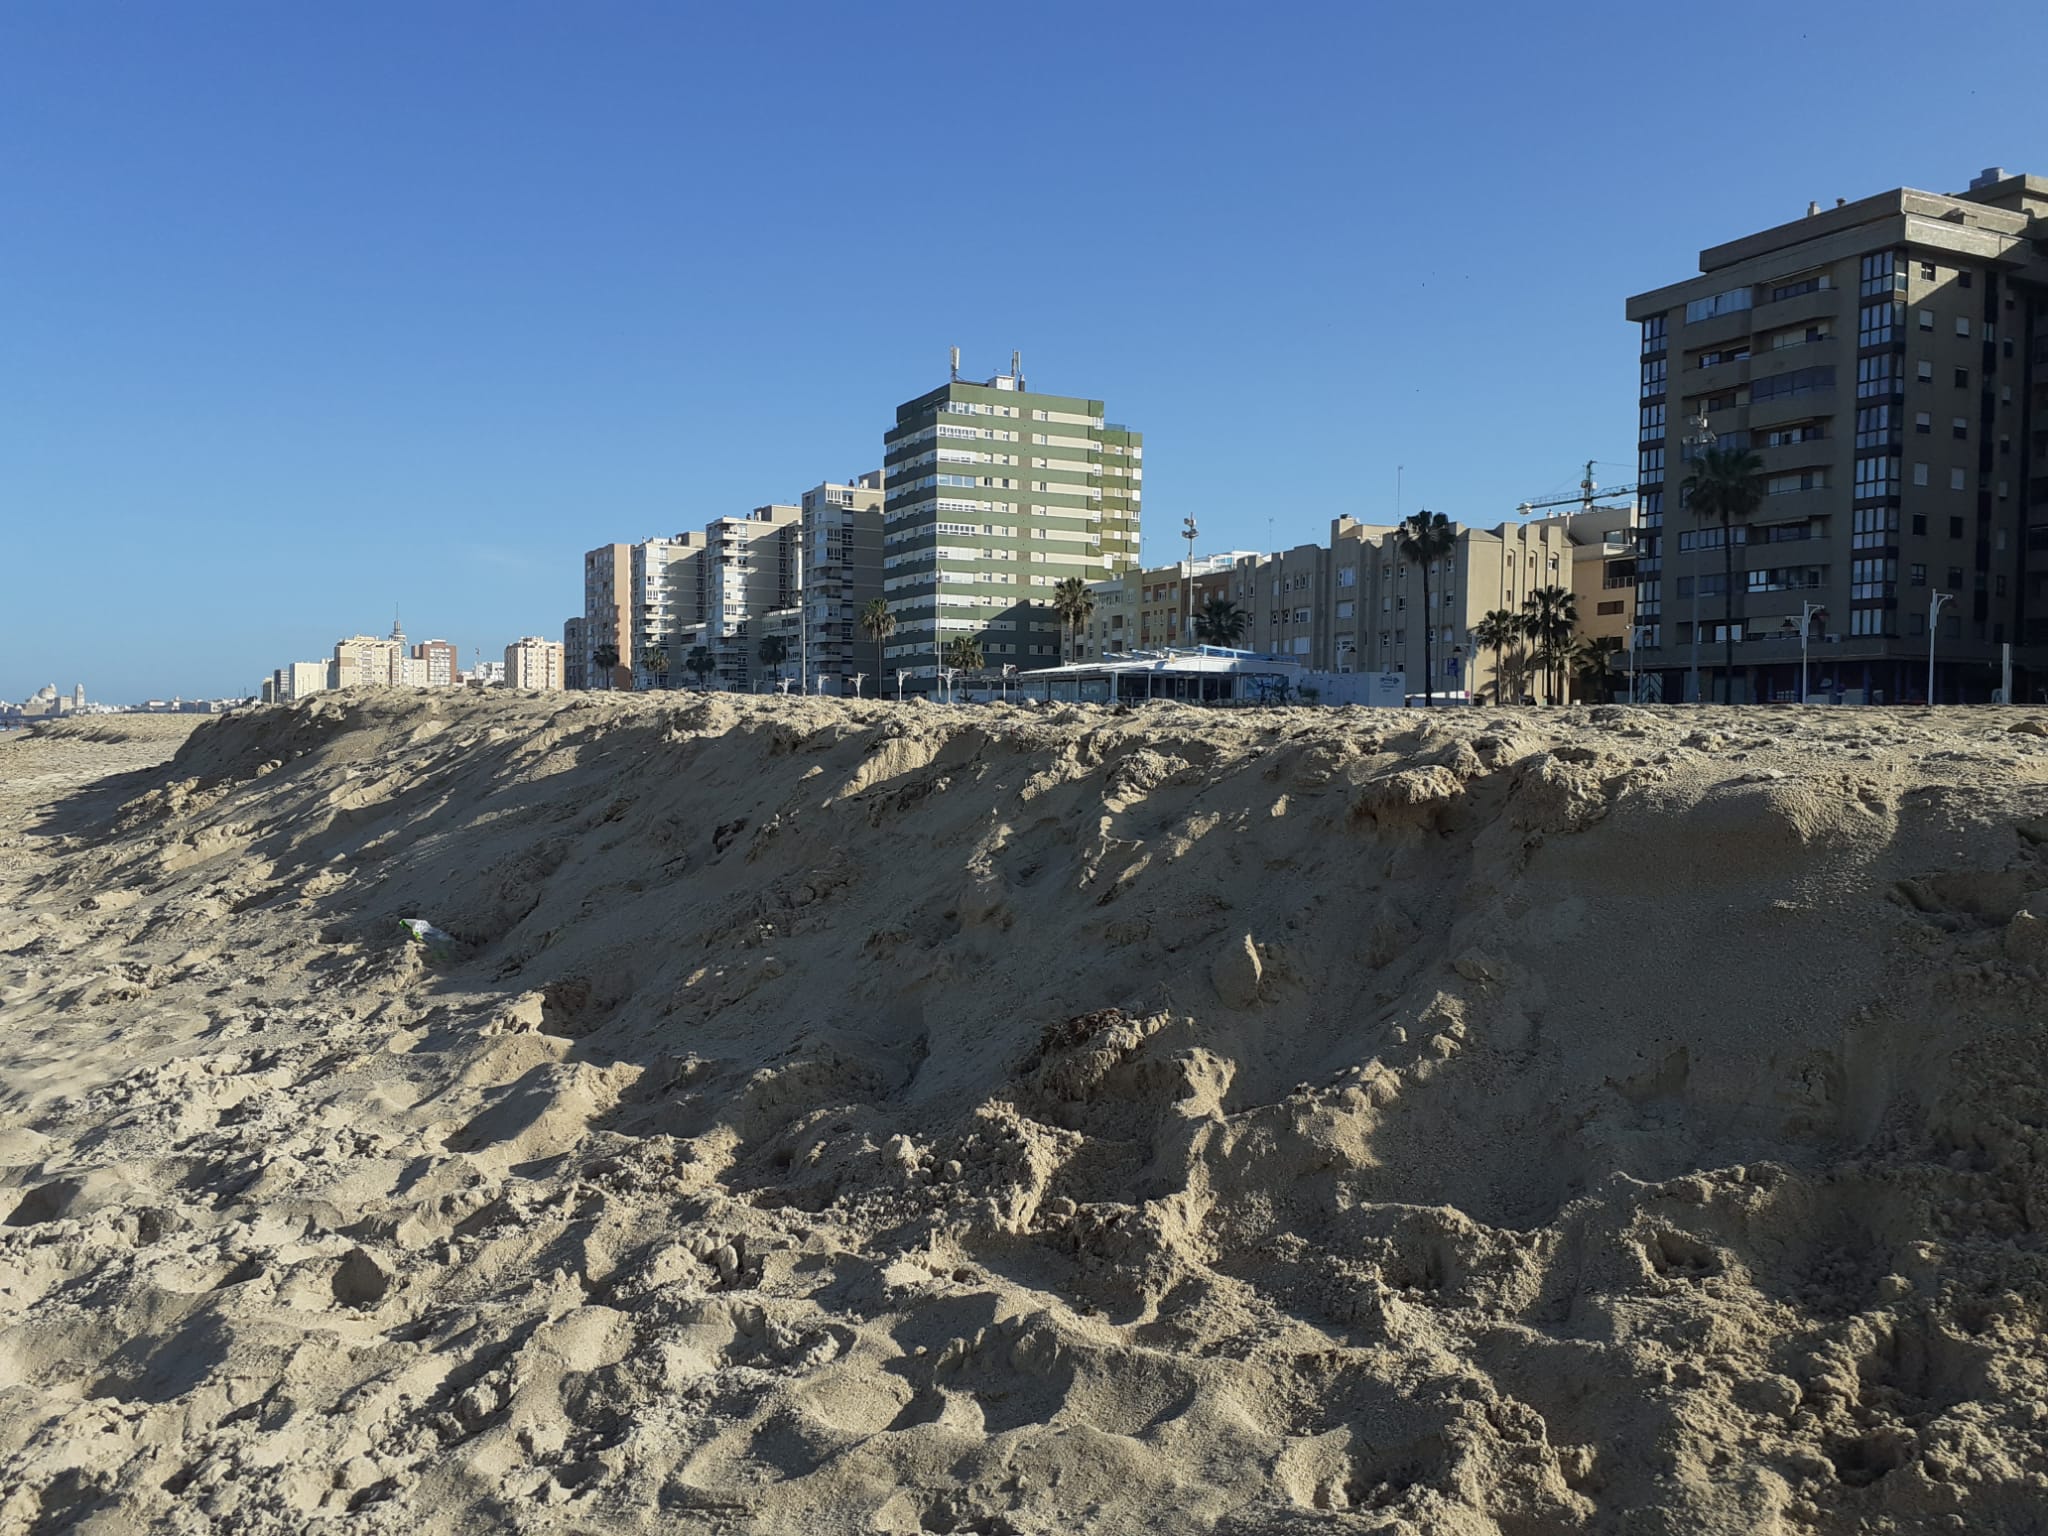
(418, 309)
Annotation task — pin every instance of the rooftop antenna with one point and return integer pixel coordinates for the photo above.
(956, 365)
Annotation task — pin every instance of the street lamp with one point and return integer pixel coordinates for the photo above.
(858, 679)
(901, 673)
(1701, 438)
(1189, 532)
(1808, 612)
(1934, 602)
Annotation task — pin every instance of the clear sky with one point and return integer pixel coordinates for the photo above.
(307, 312)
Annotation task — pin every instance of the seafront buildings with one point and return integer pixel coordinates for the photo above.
(534, 662)
(994, 496)
(1887, 360)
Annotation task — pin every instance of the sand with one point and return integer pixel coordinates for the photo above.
(830, 1117)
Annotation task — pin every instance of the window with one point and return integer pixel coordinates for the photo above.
(1876, 376)
(1881, 274)
(1800, 381)
(1962, 325)
(1917, 577)
(1962, 378)
(1738, 353)
(1926, 373)
(1919, 474)
(1654, 376)
(1866, 621)
(1926, 319)
(1734, 300)
(1605, 609)
(1813, 480)
(1794, 288)
(1347, 576)
(1875, 477)
(1652, 425)
(1653, 334)
(1927, 271)
(1955, 480)
(1959, 428)
(1346, 609)
(1872, 578)
(1876, 323)
(1873, 427)
(1920, 524)
(1955, 531)
(1875, 527)
(1923, 422)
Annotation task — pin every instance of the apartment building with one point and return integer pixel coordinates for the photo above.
(365, 661)
(747, 569)
(439, 662)
(667, 587)
(996, 494)
(608, 611)
(575, 655)
(1887, 359)
(1112, 625)
(532, 662)
(841, 546)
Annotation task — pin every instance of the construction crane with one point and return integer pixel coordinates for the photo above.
(1588, 490)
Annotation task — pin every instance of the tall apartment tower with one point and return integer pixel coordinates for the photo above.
(1887, 359)
(842, 571)
(608, 612)
(747, 569)
(995, 495)
(665, 605)
(534, 662)
(442, 662)
(575, 654)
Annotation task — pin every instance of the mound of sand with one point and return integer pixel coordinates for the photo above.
(859, 1118)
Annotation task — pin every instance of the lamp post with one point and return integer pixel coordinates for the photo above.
(901, 673)
(858, 679)
(1189, 532)
(1701, 438)
(1808, 612)
(1934, 602)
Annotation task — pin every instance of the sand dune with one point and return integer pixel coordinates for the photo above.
(861, 1118)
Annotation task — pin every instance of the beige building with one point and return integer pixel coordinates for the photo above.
(1884, 359)
(747, 570)
(842, 570)
(365, 661)
(532, 662)
(666, 585)
(608, 611)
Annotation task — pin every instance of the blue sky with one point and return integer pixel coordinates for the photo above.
(310, 311)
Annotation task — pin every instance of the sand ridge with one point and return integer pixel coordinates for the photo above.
(856, 1117)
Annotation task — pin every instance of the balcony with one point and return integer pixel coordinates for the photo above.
(1775, 413)
(1823, 303)
(1819, 450)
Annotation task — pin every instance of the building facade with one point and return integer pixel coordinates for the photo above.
(365, 661)
(747, 569)
(666, 589)
(608, 612)
(533, 662)
(994, 496)
(441, 663)
(575, 654)
(1887, 360)
(842, 571)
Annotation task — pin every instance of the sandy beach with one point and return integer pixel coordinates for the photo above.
(818, 1117)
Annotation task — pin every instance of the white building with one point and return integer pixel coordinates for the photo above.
(533, 662)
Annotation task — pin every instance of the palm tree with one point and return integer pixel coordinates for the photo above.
(701, 663)
(1549, 615)
(773, 651)
(1725, 483)
(964, 654)
(1514, 668)
(1221, 622)
(1426, 537)
(878, 624)
(1074, 603)
(605, 658)
(655, 660)
(1497, 631)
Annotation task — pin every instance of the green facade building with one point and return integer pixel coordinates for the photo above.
(995, 495)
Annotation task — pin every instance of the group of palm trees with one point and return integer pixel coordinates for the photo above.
(1540, 640)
